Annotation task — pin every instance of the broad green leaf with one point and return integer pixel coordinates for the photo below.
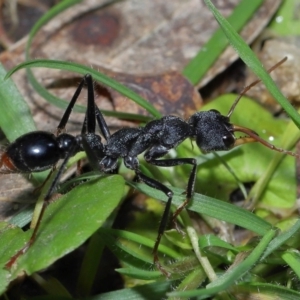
(11, 240)
(69, 221)
(12, 107)
(285, 22)
(250, 161)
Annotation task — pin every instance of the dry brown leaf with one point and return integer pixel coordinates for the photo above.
(130, 37)
(143, 43)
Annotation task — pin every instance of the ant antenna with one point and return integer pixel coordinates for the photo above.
(248, 87)
(252, 136)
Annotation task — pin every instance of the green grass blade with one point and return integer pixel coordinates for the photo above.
(240, 269)
(292, 258)
(232, 275)
(281, 239)
(142, 241)
(247, 55)
(267, 291)
(81, 69)
(79, 108)
(209, 53)
(212, 207)
(54, 11)
(155, 290)
(12, 107)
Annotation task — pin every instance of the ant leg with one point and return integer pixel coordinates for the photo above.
(102, 124)
(64, 120)
(93, 113)
(165, 217)
(90, 121)
(158, 151)
(47, 198)
(75, 145)
(191, 182)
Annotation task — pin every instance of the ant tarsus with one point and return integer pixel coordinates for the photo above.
(211, 130)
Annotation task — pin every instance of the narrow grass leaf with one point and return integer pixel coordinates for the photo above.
(139, 273)
(81, 69)
(247, 55)
(211, 207)
(281, 239)
(210, 240)
(141, 240)
(199, 65)
(292, 258)
(267, 291)
(227, 280)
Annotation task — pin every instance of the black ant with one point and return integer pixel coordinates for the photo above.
(41, 150)
(211, 130)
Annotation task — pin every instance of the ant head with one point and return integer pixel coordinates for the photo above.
(212, 131)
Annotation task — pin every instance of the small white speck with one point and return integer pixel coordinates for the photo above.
(279, 19)
(271, 138)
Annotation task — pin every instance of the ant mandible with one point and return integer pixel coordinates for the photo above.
(211, 130)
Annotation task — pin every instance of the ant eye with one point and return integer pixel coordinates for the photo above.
(228, 140)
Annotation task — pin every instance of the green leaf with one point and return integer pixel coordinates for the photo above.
(81, 69)
(284, 22)
(249, 162)
(267, 291)
(228, 279)
(208, 54)
(281, 239)
(69, 221)
(11, 240)
(292, 258)
(211, 207)
(155, 290)
(139, 273)
(210, 240)
(249, 58)
(12, 107)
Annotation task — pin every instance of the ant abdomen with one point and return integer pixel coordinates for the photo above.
(34, 152)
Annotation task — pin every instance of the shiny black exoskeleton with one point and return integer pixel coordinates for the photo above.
(41, 150)
(38, 151)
